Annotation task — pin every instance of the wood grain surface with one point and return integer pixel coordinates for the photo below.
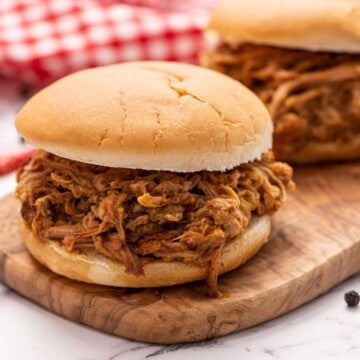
(315, 244)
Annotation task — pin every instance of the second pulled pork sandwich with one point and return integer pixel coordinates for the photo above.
(148, 174)
(302, 58)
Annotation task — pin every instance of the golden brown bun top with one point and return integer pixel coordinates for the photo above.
(327, 25)
(149, 115)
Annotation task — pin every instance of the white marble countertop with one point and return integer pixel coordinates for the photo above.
(324, 328)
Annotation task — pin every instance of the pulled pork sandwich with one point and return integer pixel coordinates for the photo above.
(302, 58)
(148, 174)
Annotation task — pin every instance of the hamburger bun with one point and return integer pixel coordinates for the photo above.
(94, 268)
(322, 25)
(156, 116)
(316, 152)
(146, 114)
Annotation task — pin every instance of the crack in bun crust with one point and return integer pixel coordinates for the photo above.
(145, 115)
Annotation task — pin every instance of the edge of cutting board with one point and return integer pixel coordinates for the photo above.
(314, 245)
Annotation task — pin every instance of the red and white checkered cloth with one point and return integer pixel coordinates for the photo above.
(41, 40)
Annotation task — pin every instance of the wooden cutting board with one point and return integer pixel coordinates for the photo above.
(315, 244)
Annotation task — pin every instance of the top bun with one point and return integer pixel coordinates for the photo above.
(149, 115)
(324, 25)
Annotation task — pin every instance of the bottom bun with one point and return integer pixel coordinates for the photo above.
(316, 152)
(94, 268)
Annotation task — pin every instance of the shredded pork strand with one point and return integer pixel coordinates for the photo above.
(312, 96)
(138, 216)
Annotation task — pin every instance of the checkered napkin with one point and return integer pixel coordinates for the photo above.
(41, 40)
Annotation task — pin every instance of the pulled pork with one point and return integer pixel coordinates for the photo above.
(312, 96)
(138, 216)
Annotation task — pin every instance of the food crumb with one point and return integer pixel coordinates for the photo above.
(352, 298)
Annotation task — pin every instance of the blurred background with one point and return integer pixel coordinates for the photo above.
(42, 40)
